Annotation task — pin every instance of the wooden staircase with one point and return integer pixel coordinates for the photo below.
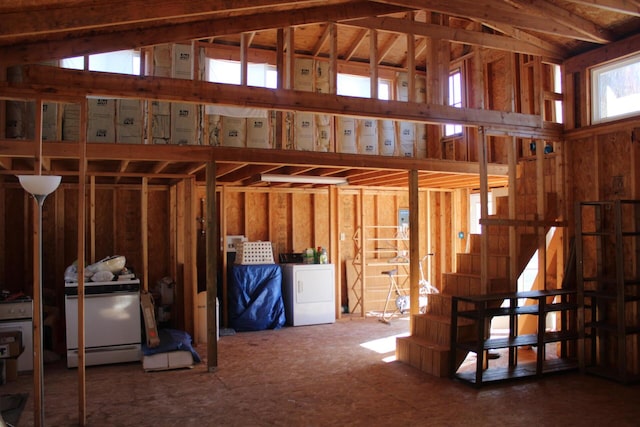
(427, 348)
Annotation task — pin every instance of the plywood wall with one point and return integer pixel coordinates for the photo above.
(296, 219)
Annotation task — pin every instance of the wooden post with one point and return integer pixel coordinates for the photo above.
(144, 226)
(414, 246)
(484, 211)
(513, 250)
(540, 210)
(212, 251)
(335, 225)
(363, 253)
(82, 177)
(373, 62)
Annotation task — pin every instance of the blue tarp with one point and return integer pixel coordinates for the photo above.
(255, 297)
(171, 340)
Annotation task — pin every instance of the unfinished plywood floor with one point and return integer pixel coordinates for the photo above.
(323, 375)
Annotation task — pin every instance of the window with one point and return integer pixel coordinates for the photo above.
(122, 62)
(557, 88)
(359, 86)
(455, 100)
(615, 89)
(261, 75)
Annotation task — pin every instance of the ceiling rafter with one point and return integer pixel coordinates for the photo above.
(24, 50)
(100, 14)
(627, 7)
(384, 50)
(544, 8)
(501, 13)
(355, 45)
(396, 25)
(321, 41)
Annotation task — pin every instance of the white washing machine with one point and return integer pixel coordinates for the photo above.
(308, 292)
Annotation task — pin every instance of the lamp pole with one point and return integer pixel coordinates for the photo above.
(39, 186)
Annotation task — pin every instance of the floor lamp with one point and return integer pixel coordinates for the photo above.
(39, 186)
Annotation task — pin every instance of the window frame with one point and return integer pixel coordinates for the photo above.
(595, 73)
(457, 129)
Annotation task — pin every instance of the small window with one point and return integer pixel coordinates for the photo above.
(360, 86)
(455, 100)
(121, 62)
(351, 85)
(615, 89)
(228, 72)
(557, 88)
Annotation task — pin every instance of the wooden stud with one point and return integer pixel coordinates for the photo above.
(212, 251)
(513, 250)
(414, 245)
(373, 61)
(82, 178)
(144, 227)
(484, 211)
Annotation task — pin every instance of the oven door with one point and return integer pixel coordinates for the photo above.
(111, 319)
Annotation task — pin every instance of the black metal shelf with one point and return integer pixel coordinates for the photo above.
(527, 303)
(609, 293)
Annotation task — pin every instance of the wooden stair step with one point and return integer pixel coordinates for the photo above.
(437, 329)
(498, 264)
(465, 284)
(424, 355)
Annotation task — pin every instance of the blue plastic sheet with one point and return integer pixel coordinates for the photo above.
(255, 297)
(171, 340)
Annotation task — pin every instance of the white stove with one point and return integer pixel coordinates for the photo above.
(111, 321)
(17, 315)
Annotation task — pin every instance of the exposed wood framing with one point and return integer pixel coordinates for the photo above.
(213, 253)
(82, 388)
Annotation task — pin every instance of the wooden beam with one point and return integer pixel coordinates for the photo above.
(484, 212)
(612, 51)
(47, 46)
(144, 226)
(322, 40)
(384, 50)
(627, 7)
(373, 60)
(414, 246)
(357, 42)
(54, 80)
(54, 18)
(459, 35)
(498, 12)
(155, 152)
(212, 251)
(545, 9)
(82, 179)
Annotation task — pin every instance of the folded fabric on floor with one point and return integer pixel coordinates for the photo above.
(11, 406)
(172, 340)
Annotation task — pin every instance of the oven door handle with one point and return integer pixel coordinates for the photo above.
(102, 295)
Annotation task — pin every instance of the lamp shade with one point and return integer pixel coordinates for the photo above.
(39, 185)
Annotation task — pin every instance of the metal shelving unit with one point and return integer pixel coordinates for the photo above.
(608, 275)
(537, 303)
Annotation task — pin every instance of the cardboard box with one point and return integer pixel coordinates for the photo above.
(148, 314)
(10, 344)
(9, 370)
